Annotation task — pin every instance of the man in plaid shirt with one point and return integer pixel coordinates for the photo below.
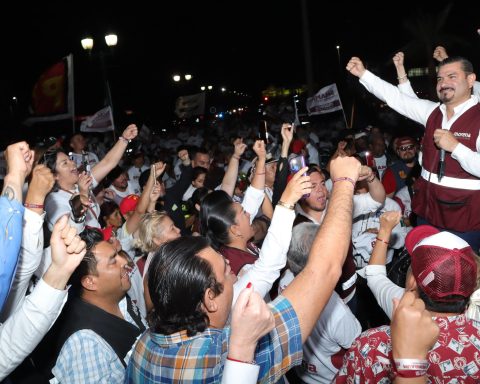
(191, 287)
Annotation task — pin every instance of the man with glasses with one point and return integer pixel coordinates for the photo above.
(394, 177)
(448, 191)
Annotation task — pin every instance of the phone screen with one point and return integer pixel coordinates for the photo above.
(296, 163)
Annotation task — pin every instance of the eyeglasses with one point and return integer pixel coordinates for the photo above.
(404, 148)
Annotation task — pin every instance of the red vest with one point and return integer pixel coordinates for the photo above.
(442, 206)
(238, 257)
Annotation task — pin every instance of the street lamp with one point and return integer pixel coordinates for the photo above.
(338, 53)
(87, 44)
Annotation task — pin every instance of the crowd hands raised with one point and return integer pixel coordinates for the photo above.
(161, 264)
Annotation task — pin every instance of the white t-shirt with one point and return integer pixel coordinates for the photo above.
(336, 328)
(134, 175)
(381, 164)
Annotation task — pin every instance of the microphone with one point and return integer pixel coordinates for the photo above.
(441, 165)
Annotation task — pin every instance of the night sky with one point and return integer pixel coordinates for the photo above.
(245, 45)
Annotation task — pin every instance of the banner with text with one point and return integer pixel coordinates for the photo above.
(102, 121)
(326, 100)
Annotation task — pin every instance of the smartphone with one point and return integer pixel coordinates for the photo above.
(296, 163)
(368, 159)
(263, 131)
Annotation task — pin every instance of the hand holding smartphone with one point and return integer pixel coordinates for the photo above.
(296, 163)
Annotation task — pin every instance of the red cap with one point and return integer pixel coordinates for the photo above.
(107, 232)
(297, 146)
(443, 264)
(129, 203)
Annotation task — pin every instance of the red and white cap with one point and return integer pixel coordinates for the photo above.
(443, 264)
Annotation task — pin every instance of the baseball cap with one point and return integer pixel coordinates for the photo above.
(443, 264)
(270, 158)
(128, 203)
(297, 146)
(107, 232)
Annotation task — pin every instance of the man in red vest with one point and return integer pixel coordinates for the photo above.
(447, 201)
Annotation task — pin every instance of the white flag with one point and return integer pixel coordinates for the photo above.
(190, 105)
(102, 121)
(326, 100)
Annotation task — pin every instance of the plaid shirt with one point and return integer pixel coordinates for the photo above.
(200, 358)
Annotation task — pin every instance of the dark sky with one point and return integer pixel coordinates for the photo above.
(245, 45)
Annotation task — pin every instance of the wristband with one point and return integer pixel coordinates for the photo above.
(345, 179)
(371, 180)
(383, 241)
(124, 139)
(410, 368)
(253, 362)
(31, 205)
(285, 205)
(402, 77)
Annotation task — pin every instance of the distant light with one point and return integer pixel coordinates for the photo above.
(87, 43)
(338, 47)
(202, 88)
(234, 111)
(210, 87)
(164, 130)
(265, 98)
(14, 98)
(176, 78)
(188, 76)
(197, 120)
(220, 115)
(223, 89)
(111, 40)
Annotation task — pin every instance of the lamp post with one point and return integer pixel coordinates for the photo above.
(111, 40)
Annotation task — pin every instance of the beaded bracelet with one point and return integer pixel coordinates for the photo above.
(124, 139)
(402, 77)
(345, 179)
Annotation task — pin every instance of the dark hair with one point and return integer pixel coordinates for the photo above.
(88, 265)
(177, 281)
(113, 174)
(49, 158)
(197, 171)
(106, 209)
(142, 180)
(467, 66)
(198, 195)
(216, 217)
(458, 304)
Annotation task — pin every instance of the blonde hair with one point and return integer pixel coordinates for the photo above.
(150, 227)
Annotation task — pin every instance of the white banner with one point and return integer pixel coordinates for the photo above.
(190, 105)
(102, 121)
(326, 100)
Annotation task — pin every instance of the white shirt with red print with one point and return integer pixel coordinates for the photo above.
(454, 359)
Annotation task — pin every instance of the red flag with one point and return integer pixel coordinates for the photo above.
(52, 96)
(48, 96)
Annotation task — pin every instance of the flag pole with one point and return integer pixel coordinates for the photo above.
(71, 83)
(352, 114)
